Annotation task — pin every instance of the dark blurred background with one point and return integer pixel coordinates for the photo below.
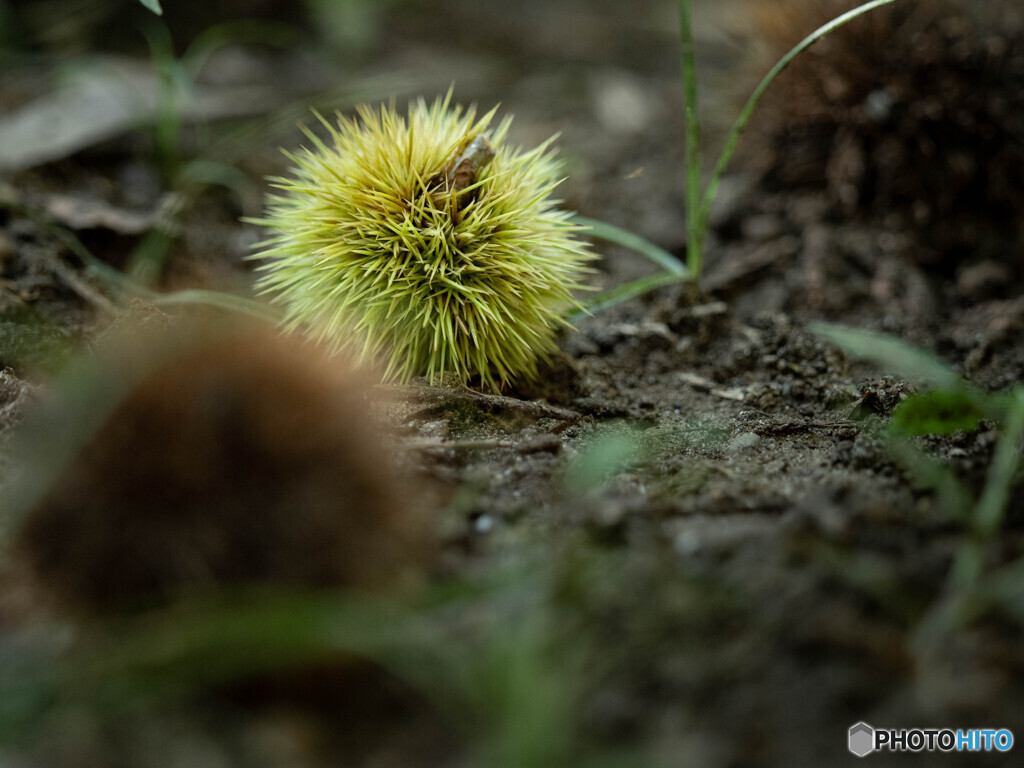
(603, 74)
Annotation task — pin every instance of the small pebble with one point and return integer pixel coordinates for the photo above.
(743, 442)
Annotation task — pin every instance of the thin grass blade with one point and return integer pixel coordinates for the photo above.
(891, 354)
(220, 300)
(748, 108)
(627, 291)
(992, 506)
(604, 231)
(694, 227)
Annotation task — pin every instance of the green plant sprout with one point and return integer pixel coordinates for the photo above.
(424, 242)
(214, 164)
(698, 204)
(949, 404)
(188, 178)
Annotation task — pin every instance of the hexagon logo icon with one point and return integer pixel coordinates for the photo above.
(862, 739)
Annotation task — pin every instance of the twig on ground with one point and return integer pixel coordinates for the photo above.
(75, 282)
(703, 384)
(464, 394)
(431, 444)
(789, 427)
(534, 407)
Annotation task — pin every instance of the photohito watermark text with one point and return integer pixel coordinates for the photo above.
(865, 739)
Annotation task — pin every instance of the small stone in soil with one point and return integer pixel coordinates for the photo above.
(743, 442)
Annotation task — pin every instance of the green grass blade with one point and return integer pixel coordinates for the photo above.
(625, 238)
(939, 478)
(992, 505)
(154, 6)
(891, 354)
(273, 34)
(1005, 587)
(220, 300)
(120, 283)
(627, 291)
(755, 97)
(694, 227)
